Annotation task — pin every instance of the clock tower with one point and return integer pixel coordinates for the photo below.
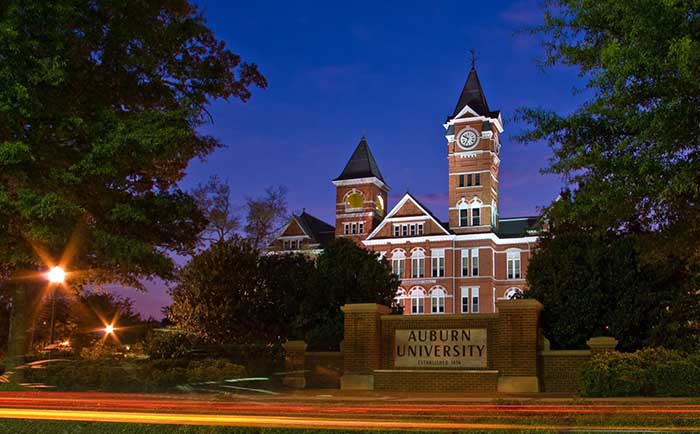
(473, 154)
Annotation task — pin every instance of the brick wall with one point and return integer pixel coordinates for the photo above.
(558, 370)
(324, 369)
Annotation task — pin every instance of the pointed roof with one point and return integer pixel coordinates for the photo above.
(473, 96)
(317, 229)
(362, 164)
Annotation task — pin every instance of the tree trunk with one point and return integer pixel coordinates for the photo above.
(19, 325)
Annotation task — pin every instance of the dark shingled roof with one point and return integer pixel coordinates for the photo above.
(473, 96)
(320, 231)
(361, 164)
(515, 227)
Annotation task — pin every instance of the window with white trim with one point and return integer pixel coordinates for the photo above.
(285, 244)
(412, 230)
(465, 262)
(397, 231)
(513, 264)
(353, 228)
(361, 227)
(475, 262)
(419, 228)
(476, 216)
(470, 299)
(418, 264)
(437, 300)
(404, 230)
(346, 228)
(464, 217)
(398, 264)
(437, 258)
(417, 296)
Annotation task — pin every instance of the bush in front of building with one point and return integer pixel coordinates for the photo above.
(132, 375)
(648, 372)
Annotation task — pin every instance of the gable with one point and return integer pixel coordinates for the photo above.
(408, 211)
(293, 229)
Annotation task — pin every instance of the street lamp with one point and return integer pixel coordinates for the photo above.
(109, 329)
(56, 275)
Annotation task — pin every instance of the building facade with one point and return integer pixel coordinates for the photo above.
(462, 265)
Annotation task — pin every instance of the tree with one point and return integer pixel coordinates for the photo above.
(600, 286)
(222, 298)
(213, 199)
(100, 104)
(345, 273)
(265, 215)
(632, 151)
(631, 155)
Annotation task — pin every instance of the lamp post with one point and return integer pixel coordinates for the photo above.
(55, 276)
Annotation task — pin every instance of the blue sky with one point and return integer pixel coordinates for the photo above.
(391, 70)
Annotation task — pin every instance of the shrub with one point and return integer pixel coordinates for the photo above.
(168, 344)
(648, 372)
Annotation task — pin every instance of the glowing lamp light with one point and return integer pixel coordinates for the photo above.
(109, 329)
(56, 275)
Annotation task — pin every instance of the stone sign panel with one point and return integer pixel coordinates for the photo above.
(429, 348)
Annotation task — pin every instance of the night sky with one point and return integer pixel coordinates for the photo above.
(390, 70)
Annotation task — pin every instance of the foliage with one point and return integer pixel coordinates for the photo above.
(100, 109)
(168, 344)
(231, 295)
(594, 286)
(132, 375)
(345, 273)
(213, 199)
(265, 215)
(649, 372)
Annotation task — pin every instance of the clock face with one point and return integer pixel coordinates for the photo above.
(468, 139)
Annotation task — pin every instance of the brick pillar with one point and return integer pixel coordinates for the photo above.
(517, 341)
(294, 364)
(362, 347)
(601, 344)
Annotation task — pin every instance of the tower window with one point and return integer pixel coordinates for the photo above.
(461, 180)
(469, 180)
(477, 179)
(476, 216)
(464, 217)
(475, 262)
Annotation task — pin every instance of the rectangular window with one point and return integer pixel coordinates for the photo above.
(361, 228)
(398, 266)
(513, 265)
(293, 244)
(438, 262)
(299, 243)
(465, 300)
(461, 180)
(476, 216)
(465, 263)
(353, 228)
(346, 228)
(397, 231)
(437, 304)
(285, 244)
(475, 300)
(464, 217)
(404, 230)
(420, 228)
(413, 230)
(417, 305)
(417, 267)
(475, 262)
(469, 180)
(477, 179)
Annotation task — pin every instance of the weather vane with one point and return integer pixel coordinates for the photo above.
(473, 57)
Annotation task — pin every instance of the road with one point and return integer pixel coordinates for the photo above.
(326, 411)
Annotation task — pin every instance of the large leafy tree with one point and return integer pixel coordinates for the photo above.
(631, 155)
(100, 104)
(632, 151)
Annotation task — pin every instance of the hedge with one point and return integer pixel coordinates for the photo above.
(132, 375)
(648, 372)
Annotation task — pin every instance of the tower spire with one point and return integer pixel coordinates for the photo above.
(473, 58)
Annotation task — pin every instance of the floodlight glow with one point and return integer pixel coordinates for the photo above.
(56, 275)
(109, 329)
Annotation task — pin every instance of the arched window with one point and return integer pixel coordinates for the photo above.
(380, 204)
(469, 211)
(417, 296)
(398, 263)
(354, 200)
(513, 293)
(418, 263)
(437, 299)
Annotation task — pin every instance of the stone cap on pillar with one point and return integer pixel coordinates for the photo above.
(294, 346)
(519, 304)
(366, 308)
(602, 343)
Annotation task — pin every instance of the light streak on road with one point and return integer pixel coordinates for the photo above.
(296, 422)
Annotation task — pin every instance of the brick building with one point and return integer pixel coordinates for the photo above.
(464, 265)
